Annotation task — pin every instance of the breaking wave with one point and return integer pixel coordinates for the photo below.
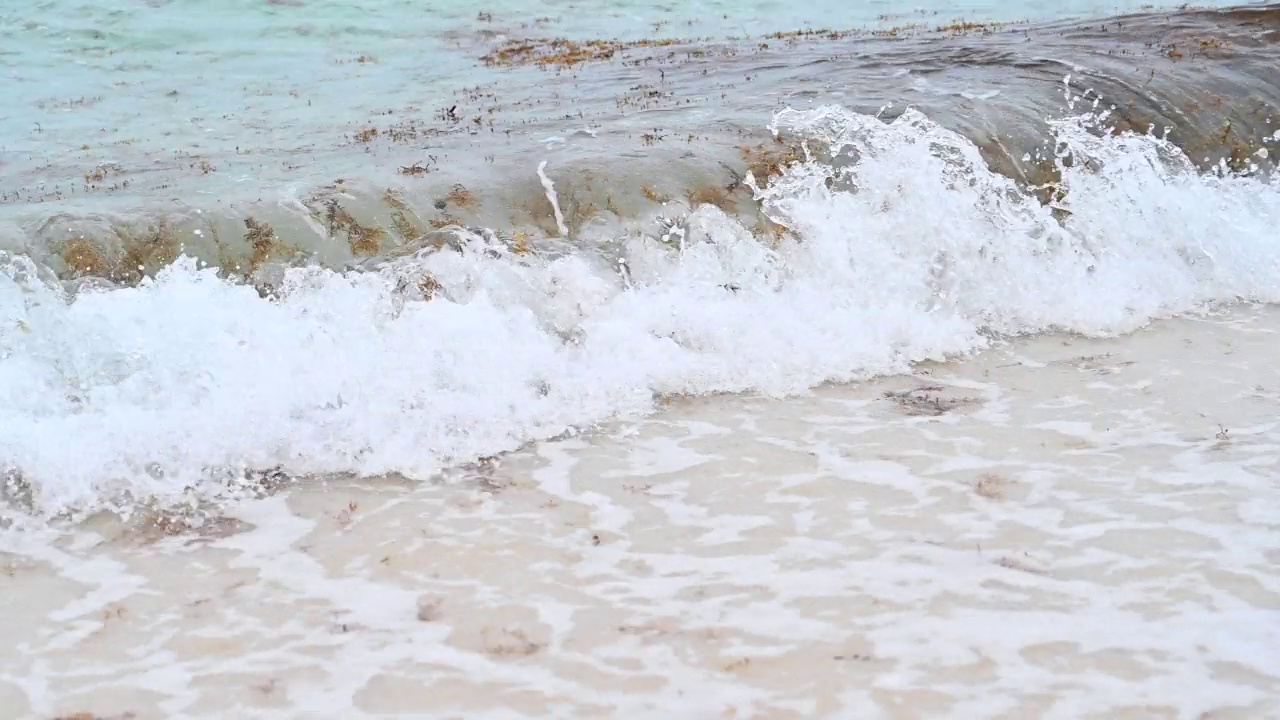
(896, 243)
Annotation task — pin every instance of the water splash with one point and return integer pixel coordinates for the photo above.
(900, 245)
(552, 198)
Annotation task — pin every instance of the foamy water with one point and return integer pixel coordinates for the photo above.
(175, 388)
(1059, 528)
(880, 374)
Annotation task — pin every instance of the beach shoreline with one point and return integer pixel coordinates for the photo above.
(1057, 528)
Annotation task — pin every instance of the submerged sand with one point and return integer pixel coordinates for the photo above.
(1058, 528)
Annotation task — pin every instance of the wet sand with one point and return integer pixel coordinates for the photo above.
(1057, 528)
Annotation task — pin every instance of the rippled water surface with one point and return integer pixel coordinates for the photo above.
(125, 104)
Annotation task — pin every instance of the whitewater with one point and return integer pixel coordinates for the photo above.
(913, 250)
(920, 370)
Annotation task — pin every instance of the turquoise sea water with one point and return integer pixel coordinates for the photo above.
(191, 85)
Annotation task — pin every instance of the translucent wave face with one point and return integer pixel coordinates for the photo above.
(904, 247)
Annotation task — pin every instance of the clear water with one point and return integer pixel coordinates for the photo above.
(267, 92)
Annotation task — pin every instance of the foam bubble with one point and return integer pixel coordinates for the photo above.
(906, 247)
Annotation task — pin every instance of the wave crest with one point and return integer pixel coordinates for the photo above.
(898, 244)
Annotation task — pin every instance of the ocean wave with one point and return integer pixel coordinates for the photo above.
(891, 241)
(651, 123)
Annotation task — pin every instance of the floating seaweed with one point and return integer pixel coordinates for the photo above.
(562, 53)
(261, 238)
(361, 239)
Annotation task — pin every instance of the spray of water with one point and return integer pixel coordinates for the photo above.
(900, 246)
(552, 198)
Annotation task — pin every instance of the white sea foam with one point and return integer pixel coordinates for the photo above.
(913, 249)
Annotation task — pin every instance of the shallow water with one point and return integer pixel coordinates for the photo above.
(901, 246)
(1059, 528)
(202, 79)
(136, 116)
(367, 360)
